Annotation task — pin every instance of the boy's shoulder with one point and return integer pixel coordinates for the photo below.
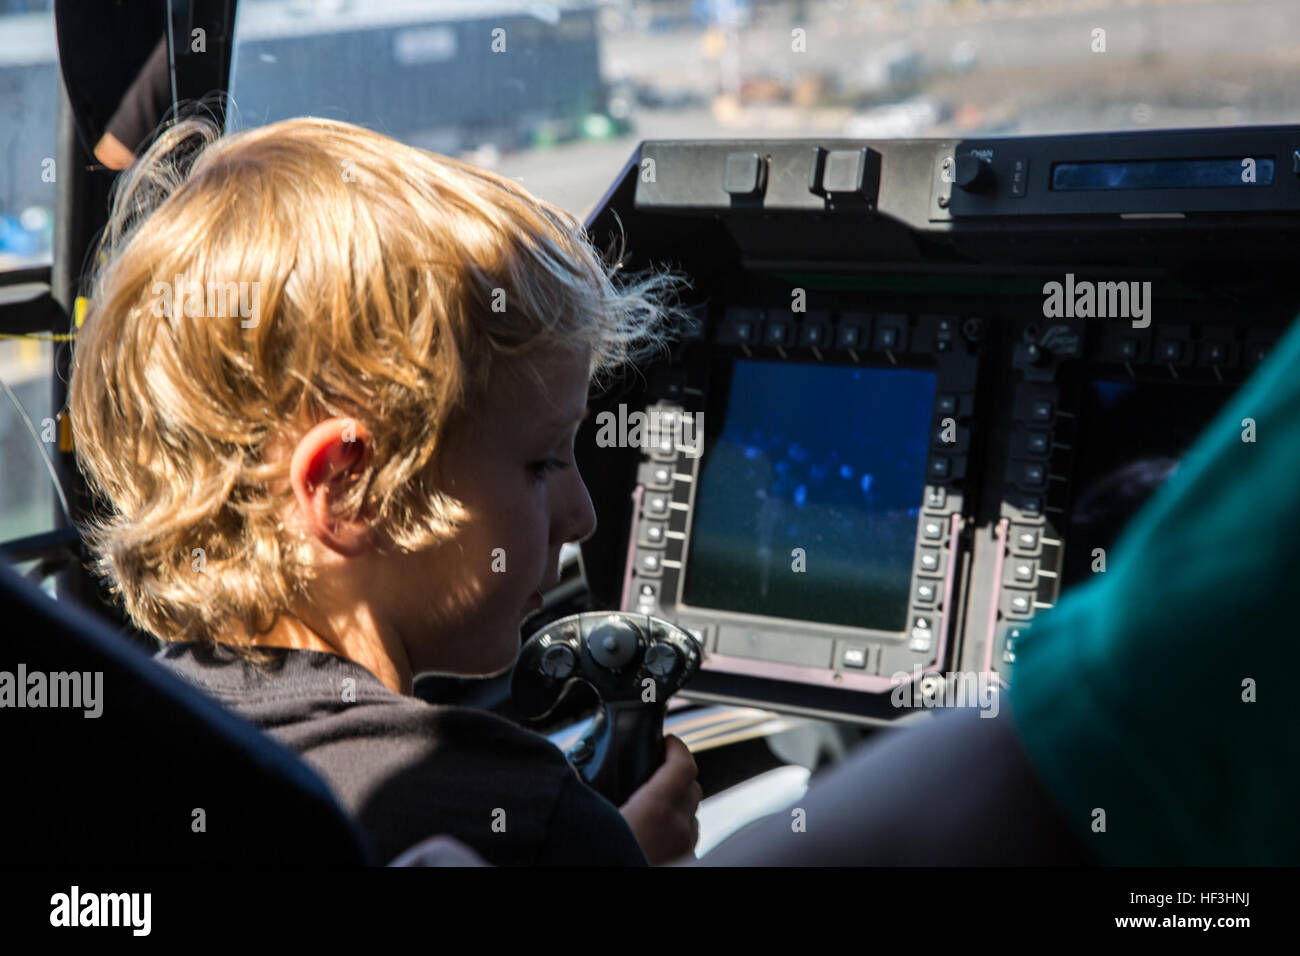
(297, 686)
(402, 765)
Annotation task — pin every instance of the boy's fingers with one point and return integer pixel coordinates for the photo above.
(677, 753)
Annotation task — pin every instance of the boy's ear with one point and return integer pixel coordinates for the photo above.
(321, 471)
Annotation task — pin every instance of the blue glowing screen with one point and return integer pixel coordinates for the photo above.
(827, 459)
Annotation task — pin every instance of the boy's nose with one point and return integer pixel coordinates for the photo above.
(581, 523)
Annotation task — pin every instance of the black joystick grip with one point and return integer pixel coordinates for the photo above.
(634, 663)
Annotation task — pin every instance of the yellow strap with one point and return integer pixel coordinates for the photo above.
(78, 316)
(65, 431)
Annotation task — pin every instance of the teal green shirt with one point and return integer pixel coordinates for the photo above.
(1133, 695)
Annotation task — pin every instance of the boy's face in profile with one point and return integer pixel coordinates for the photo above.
(458, 607)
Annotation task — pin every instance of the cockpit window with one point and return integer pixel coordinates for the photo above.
(29, 88)
(556, 95)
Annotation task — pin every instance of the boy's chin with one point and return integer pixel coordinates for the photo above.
(504, 659)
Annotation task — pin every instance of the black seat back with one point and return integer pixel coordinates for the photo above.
(130, 786)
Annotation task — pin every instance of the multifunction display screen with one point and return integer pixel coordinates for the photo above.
(809, 494)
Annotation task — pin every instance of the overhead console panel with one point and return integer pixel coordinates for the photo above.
(930, 382)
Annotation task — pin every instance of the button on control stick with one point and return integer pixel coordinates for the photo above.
(614, 642)
(661, 659)
(558, 662)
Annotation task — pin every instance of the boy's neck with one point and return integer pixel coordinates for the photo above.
(293, 633)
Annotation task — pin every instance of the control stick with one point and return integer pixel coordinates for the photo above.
(634, 662)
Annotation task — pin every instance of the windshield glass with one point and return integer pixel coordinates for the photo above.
(556, 95)
(29, 90)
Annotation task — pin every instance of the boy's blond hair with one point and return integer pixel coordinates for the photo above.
(388, 285)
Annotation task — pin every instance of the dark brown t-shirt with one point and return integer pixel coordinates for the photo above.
(408, 770)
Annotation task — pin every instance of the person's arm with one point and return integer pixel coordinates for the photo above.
(956, 791)
(586, 830)
(113, 153)
(147, 101)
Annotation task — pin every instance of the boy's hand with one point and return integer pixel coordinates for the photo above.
(662, 811)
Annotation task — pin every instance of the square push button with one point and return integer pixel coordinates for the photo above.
(922, 636)
(926, 592)
(855, 657)
(665, 450)
(652, 533)
(845, 171)
(739, 326)
(932, 528)
(743, 174)
(813, 336)
(1024, 570)
(1031, 506)
(1040, 410)
(1021, 603)
(778, 333)
(1169, 350)
(929, 561)
(1038, 443)
(1024, 539)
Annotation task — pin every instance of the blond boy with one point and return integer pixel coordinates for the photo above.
(328, 386)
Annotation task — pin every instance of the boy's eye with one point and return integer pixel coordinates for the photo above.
(540, 469)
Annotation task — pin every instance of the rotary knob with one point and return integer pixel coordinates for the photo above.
(558, 662)
(661, 660)
(973, 174)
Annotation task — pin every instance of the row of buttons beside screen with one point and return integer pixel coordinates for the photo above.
(654, 532)
(931, 565)
(780, 647)
(948, 463)
(1172, 344)
(1032, 556)
(661, 522)
(858, 331)
(669, 417)
(1029, 472)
